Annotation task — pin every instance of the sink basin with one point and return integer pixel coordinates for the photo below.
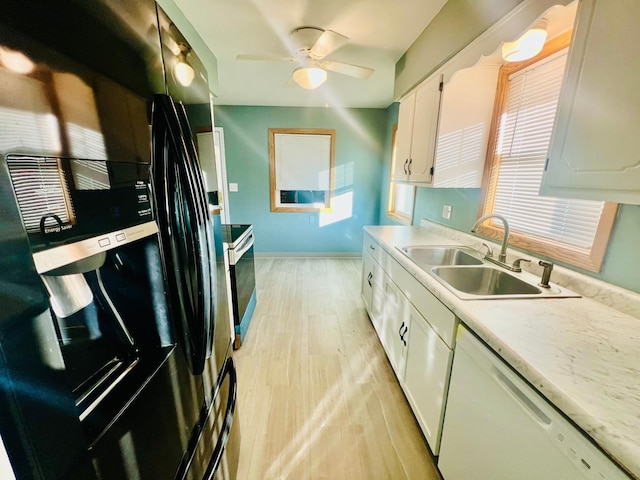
(484, 281)
(431, 256)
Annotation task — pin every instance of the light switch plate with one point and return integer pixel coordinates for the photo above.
(446, 212)
(233, 187)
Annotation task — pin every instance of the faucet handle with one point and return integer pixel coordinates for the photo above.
(489, 250)
(516, 264)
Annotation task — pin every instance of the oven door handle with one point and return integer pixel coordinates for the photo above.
(218, 451)
(242, 248)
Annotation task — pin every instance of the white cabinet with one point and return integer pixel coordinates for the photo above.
(395, 326)
(373, 282)
(426, 377)
(595, 148)
(417, 130)
(463, 127)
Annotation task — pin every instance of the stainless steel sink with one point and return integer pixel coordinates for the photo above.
(484, 281)
(432, 255)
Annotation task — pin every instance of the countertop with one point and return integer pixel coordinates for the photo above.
(583, 356)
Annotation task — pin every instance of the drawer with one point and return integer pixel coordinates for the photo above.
(376, 251)
(433, 310)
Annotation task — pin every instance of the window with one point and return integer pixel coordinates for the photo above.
(302, 165)
(401, 195)
(573, 231)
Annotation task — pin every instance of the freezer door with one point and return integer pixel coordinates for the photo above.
(213, 453)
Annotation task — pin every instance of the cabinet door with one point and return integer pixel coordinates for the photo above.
(594, 151)
(424, 133)
(463, 127)
(403, 139)
(395, 327)
(372, 289)
(426, 377)
(368, 267)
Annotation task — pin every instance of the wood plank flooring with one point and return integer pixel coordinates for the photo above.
(317, 397)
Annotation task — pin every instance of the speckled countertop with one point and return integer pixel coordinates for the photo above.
(582, 355)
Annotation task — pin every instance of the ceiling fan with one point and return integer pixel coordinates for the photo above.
(310, 46)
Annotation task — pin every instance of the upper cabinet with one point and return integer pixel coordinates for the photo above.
(463, 127)
(595, 149)
(417, 129)
(443, 128)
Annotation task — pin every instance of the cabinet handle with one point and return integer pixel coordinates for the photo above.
(410, 162)
(402, 331)
(371, 247)
(406, 162)
(369, 277)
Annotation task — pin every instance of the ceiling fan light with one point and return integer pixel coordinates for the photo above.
(309, 77)
(528, 45)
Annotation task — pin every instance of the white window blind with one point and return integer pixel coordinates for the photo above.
(523, 141)
(303, 162)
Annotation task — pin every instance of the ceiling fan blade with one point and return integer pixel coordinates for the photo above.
(355, 71)
(328, 43)
(275, 58)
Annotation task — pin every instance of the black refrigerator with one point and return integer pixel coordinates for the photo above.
(115, 338)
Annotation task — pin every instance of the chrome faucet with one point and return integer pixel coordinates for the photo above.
(503, 249)
(502, 257)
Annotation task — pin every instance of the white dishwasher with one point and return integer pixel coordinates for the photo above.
(497, 427)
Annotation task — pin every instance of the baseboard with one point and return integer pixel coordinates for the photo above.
(308, 254)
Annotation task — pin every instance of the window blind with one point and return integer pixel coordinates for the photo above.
(41, 190)
(523, 140)
(303, 162)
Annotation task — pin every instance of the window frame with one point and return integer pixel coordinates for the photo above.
(276, 206)
(391, 205)
(588, 259)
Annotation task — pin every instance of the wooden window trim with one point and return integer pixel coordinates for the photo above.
(328, 207)
(588, 259)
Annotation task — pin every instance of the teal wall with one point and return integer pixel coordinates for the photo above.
(622, 259)
(360, 155)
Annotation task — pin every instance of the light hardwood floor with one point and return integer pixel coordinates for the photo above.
(317, 397)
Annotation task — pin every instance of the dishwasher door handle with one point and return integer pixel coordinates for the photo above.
(522, 398)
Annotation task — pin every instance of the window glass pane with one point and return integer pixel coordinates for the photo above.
(403, 199)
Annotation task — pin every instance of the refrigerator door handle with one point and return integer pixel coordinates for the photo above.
(197, 183)
(218, 451)
(184, 231)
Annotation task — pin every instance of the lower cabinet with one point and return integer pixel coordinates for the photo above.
(426, 377)
(417, 333)
(373, 289)
(395, 326)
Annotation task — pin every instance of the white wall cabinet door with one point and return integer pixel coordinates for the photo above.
(417, 132)
(426, 377)
(463, 127)
(595, 148)
(395, 326)
(403, 138)
(425, 130)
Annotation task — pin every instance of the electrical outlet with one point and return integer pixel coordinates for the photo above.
(311, 220)
(446, 212)
(233, 187)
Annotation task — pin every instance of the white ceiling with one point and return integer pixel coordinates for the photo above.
(379, 32)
